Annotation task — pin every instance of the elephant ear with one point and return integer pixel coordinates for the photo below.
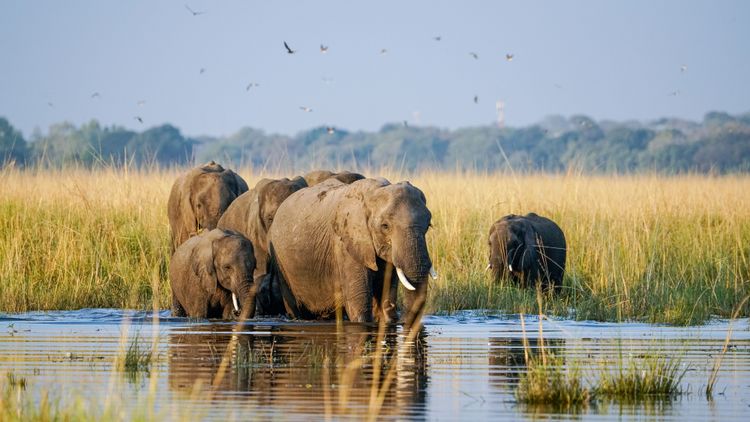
(531, 257)
(187, 213)
(351, 226)
(202, 260)
(240, 186)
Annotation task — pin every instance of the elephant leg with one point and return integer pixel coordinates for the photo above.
(177, 309)
(357, 294)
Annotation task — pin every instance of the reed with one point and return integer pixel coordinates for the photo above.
(652, 377)
(646, 247)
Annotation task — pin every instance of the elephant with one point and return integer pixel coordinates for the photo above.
(318, 176)
(252, 214)
(212, 276)
(198, 198)
(528, 248)
(335, 246)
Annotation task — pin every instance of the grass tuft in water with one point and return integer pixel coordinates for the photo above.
(549, 382)
(650, 378)
(137, 359)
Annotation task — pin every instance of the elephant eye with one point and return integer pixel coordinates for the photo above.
(385, 226)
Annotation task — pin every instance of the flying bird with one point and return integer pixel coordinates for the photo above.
(50, 104)
(193, 11)
(683, 68)
(475, 55)
(383, 51)
(330, 130)
(251, 85)
(476, 99)
(674, 93)
(437, 38)
(288, 49)
(95, 95)
(141, 102)
(140, 120)
(305, 109)
(509, 57)
(202, 71)
(323, 49)
(406, 124)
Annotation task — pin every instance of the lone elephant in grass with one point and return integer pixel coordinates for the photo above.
(528, 248)
(319, 176)
(252, 214)
(199, 197)
(337, 245)
(212, 276)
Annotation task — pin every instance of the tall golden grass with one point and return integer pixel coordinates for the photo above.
(641, 247)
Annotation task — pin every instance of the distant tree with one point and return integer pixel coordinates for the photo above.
(13, 148)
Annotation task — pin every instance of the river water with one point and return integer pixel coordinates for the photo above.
(464, 366)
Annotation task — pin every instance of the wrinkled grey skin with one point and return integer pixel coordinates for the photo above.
(319, 176)
(198, 198)
(337, 244)
(207, 269)
(532, 245)
(252, 214)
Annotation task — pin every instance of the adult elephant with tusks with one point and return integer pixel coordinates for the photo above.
(337, 245)
(212, 276)
(529, 249)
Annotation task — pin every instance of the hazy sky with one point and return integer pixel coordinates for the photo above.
(615, 60)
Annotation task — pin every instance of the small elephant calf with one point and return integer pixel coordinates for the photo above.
(528, 248)
(212, 276)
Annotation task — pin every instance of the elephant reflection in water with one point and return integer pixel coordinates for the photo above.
(298, 367)
(507, 357)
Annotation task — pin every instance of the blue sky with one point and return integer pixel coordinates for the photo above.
(610, 60)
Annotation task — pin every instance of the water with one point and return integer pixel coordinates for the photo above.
(464, 366)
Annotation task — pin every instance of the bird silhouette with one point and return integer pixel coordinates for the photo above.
(305, 109)
(437, 38)
(476, 99)
(383, 51)
(202, 71)
(50, 104)
(193, 11)
(509, 57)
(140, 120)
(95, 95)
(674, 93)
(475, 55)
(251, 85)
(323, 49)
(288, 49)
(141, 102)
(683, 68)
(405, 123)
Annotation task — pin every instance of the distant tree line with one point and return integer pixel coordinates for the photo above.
(719, 143)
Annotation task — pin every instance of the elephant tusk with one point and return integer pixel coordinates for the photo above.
(510, 267)
(404, 280)
(234, 301)
(433, 273)
(489, 267)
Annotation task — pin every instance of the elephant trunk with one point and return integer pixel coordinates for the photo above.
(413, 266)
(246, 298)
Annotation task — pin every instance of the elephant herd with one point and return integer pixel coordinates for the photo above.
(324, 245)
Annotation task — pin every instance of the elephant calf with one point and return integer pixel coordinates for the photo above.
(212, 276)
(199, 197)
(528, 248)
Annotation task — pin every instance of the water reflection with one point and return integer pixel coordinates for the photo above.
(319, 368)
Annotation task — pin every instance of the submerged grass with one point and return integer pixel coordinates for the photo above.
(650, 378)
(651, 248)
(550, 382)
